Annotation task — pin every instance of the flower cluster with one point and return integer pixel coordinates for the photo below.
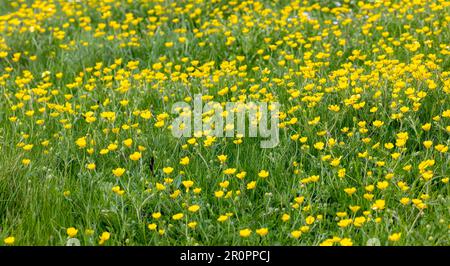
(87, 151)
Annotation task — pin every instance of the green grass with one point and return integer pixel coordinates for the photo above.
(39, 201)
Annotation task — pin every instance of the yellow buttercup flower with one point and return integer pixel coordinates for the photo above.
(194, 208)
(118, 172)
(395, 237)
(262, 231)
(184, 161)
(135, 156)
(167, 170)
(263, 174)
(379, 205)
(177, 216)
(104, 237)
(71, 232)
(245, 232)
(222, 158)
(251, 185)
(296, 234)
(9, 240)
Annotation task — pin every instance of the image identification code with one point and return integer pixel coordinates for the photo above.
(227, 255)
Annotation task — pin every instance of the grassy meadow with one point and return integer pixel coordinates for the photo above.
(87, 155)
